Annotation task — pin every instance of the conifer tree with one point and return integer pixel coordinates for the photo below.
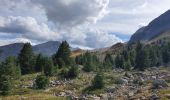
(26, 59)
(5, 85)
(63, 55)
(108, 61)
(41, 82)
(49, 68)
(119, 61)
(98, 81)
(39, 63)
(10, 68)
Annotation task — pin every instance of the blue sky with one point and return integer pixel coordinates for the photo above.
(83, 23)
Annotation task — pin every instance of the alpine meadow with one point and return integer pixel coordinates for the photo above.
(84, 50)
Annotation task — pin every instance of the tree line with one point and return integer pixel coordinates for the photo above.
(133, 57)
(28, 63)
(138, 56)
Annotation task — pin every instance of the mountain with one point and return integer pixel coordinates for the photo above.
(161, 38)
(10, 50)
(156, 27)
(47, 49)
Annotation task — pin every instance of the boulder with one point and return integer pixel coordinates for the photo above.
(167, 96)
(157, 84)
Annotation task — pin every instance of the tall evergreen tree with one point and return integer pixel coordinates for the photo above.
(49, 68)
(119, 61)
(10, 68)
(88, 62)
(142, 57)
(63, 54)
(40, 60)
(73, 72)
(98, 81)
(108, 61)
(139, 55)
(26, 59)
(153, 57)
(166, 53)
(5, 85)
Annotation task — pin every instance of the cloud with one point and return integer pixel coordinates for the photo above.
(27, 27)
(85, 23)
(126, 16)
(99, 39)
(15, 40)
(71, 13)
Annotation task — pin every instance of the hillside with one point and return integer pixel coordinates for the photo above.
(156, 27)
(161, 38)
(47, 49)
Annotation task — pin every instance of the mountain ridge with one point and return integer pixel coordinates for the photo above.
(47, 49)
(158, 26)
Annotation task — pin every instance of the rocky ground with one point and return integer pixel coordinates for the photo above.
(152, 84)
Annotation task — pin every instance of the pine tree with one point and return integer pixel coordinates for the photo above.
(142, 58)
(108, 61)
(119, 61)
(49, 68)
(10, 68)
(88, 67)
(73, 72)
(63, 55)
(26, 59)
(5, 85)
(39, 63)
(127, 66)
(132, 57)
(166, 54)
(153, 57)
(88, 62)
(98, 81)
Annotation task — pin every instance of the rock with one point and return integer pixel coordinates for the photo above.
(121, 81)
(103, 97)
(110, 89)
(154, 97)
(131, 93)
(62, 94)
(94, 98)
(159, 84)
(143, 98)
(167, 96)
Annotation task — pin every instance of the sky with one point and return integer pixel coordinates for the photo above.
(83, 23)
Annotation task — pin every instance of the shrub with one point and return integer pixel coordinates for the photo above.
(98, 82)
(41, 82)
(5, 85)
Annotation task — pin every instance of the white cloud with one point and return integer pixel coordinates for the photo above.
(71, 17)
(15, 40)
(126, 16)
(71, 13)
(27, 27)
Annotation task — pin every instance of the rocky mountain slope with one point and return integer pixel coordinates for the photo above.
(46, 49)
(156, 27)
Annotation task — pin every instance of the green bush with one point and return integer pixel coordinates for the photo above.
(41, 82)
(98, 82)
(5, 85)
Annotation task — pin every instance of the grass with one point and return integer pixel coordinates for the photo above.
(37, 96)
(163, 93)
(78, 86)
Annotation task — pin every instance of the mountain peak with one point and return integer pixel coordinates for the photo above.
(159, 25)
